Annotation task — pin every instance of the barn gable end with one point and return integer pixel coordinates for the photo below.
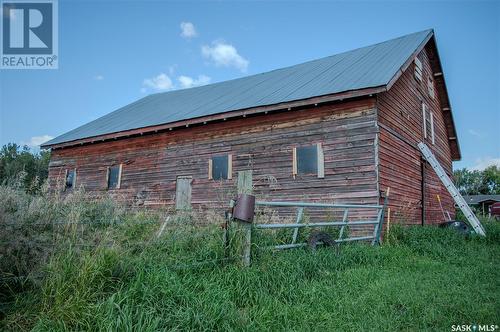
(401, 120)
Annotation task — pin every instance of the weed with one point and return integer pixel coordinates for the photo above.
(422, 278)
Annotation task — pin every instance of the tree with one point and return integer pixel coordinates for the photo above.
(491, 180)
(486, 182)
(20, 163)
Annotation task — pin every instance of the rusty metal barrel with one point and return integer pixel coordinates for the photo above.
(244, 208)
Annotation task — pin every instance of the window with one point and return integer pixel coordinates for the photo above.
(430, 87)
(424, 120)
(220, 167)
(70, 179)
(114, 176)
(433, 139)
(418, 69)
(308, 160)
(428, 124)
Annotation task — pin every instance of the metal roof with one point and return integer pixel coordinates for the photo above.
(367, 67)
(477, 199)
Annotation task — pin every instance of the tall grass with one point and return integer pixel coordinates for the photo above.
(422, 278)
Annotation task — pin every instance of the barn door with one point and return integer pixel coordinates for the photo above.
(183, 193)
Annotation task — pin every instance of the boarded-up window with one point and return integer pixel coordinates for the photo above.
(70, 179)
(430, 87)
(114, 176)
(418, 69)
(220, 167)
(183, 193)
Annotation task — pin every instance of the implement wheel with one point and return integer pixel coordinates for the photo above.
(320, 238)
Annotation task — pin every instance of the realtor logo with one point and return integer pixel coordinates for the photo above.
(29, 35)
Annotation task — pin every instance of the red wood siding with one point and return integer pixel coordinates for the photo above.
(262, 143)
(400, 120)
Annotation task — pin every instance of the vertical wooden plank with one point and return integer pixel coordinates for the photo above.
(294, 162)
(65, 179)
(107, 178)
(229, 166)
(179, 194)
(298, 220)
(388, 220)
(245, 185)
(119, 176)
(424, 119)
(188, 192)
(321, 162)
(432, 129)
(247, 251)
(74, 179)
(210, 169)
(183, 193)
(380, 216)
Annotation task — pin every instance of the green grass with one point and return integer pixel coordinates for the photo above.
(421, 278)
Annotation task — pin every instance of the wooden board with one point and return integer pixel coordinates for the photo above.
(183, 193)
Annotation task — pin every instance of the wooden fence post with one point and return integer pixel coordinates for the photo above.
(245, 186)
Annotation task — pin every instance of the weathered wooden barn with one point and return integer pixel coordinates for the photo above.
(338, 129)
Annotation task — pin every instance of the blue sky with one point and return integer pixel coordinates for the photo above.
(112, 53)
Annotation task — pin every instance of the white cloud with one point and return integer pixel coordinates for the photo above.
(188, 30)
(160, 83)
(36, 141)
(163, 82)
(99, 77)
(224, 55)
(475, 133)
(483, 163)
(189, 82)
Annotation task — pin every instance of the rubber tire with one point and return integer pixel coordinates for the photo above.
(317, 237)
(458, 226)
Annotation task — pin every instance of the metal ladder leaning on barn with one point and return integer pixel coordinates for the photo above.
(471, 217)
